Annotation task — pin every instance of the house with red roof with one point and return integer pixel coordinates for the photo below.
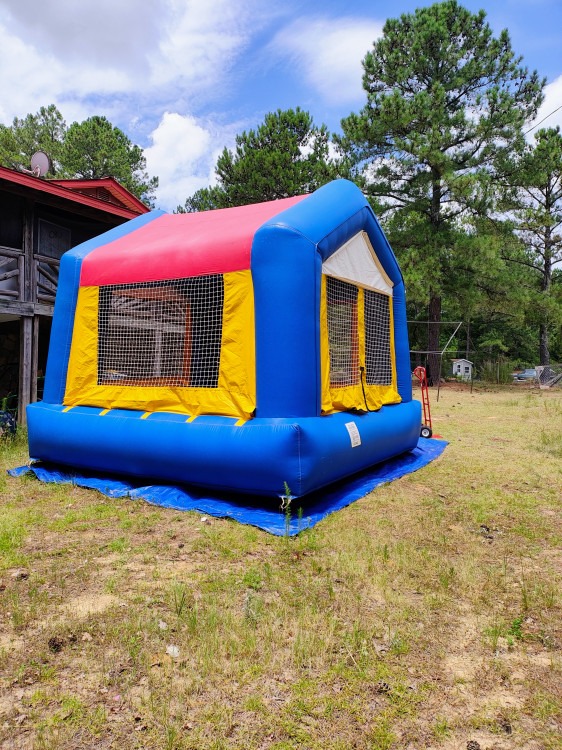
(40, 219)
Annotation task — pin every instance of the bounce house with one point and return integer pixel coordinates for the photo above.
(246, 349)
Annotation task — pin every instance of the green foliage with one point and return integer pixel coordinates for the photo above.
(535, 198)
(515, 629)
(286, 155)
(95, 148)
(497, 371)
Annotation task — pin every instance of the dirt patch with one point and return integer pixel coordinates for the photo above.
(83, 606)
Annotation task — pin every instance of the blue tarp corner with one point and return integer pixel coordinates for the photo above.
(265, 513)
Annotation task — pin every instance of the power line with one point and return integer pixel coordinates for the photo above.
(543, 119)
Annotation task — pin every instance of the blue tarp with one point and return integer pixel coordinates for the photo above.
(264, 513)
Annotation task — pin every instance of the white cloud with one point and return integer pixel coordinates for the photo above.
(101, 33)
(329, 53)
(547, 113)
(31, 78)
(150, 66)
(201, 39)
(112, 57)
(183, 155)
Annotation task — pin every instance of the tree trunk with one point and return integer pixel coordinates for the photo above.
(546, 282)
(544, 354)
(434, 357)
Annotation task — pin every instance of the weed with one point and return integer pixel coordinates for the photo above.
(441, 728)
(399, 645)
(118, 545)
(72, 710)
(493, 633)
(252, 579)
(515, 628)
(381, 735)
(545, 706)
(446, 577)
(551, 442)
(286, 498)
(253, 607)
(181, 598)
(254, 703)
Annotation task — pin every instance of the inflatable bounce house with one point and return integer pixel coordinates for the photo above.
(245, 349)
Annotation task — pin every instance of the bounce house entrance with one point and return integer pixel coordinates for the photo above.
(359, 363)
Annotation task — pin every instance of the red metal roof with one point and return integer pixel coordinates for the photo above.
(126, 206)
(175, 246)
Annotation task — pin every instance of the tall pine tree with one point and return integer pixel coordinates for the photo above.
(444, 99)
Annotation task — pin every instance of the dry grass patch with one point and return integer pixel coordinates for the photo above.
(425, 615)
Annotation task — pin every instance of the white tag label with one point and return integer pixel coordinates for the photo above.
(354, 435)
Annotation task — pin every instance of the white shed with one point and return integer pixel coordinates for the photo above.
(462, 368)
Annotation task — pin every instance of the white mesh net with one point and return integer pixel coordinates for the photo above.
(378, 361)
(343, 338)
(342, 332)
(165, 333)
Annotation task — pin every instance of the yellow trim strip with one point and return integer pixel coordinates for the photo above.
(240, 422)
(147, 414)
(68, 408)
(104, 412)
(192, 418)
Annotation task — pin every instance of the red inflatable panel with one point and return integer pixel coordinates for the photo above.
(177, 246)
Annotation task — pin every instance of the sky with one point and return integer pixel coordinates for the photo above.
(182, 77)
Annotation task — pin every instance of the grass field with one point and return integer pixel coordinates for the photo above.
(426, 615)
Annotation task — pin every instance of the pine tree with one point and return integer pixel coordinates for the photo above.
(445, 98)
(286, 155)
(95, 148)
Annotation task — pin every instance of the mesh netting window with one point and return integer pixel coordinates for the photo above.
(342, 332)
(165, 333)
(378, 362)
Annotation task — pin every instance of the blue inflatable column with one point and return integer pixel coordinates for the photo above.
(287, 287)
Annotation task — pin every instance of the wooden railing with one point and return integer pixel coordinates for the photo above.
(37, 284)
(46, 278)
(11, 273)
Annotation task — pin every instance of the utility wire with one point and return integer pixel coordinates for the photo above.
(543, 119)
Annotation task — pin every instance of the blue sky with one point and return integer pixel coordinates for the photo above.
(182, 77)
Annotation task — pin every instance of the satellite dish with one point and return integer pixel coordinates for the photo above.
(40, 163)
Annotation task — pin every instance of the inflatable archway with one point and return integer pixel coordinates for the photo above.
(246, 349)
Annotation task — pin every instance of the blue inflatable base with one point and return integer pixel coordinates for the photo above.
(265, 513)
